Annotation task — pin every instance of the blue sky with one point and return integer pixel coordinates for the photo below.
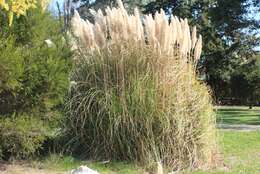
(256, 15)
(53, 6)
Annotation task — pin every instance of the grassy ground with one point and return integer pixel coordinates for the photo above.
(238, 115)
(68, 163)
(241, 151)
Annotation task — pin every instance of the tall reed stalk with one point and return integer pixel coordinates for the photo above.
(135, 95)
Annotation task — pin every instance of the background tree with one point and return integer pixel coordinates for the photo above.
(245, 82)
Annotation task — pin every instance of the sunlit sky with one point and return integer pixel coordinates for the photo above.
(53, 5)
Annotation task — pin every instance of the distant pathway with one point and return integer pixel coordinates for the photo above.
(239, 127)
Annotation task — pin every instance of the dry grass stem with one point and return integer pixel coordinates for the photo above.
(137, 96)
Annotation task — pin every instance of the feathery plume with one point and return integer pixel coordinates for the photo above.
(120, 4)
(198, 48)
(159, 168)
(76, 22)
(194, 37)
(117, 25)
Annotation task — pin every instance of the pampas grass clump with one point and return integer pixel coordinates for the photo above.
(135, 95)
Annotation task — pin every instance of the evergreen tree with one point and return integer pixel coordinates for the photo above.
(33, 74)
(245, 82)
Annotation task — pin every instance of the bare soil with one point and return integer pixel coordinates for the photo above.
(23, 169)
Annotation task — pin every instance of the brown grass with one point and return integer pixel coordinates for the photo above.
(136, 96)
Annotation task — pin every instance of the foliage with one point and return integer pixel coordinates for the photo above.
(17, 7)
(10, 67)
(137, 98)
(34, 74)
(21, 136)
(247, 77)
(20, 7)
(35, 65)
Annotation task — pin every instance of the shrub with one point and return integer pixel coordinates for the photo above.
(21, 136)
(34, 76)
(134, 92)
(33, 80)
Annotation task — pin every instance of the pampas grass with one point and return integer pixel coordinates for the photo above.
(136, 96)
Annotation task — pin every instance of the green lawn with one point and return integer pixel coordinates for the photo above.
(238, 115)
(241, 152)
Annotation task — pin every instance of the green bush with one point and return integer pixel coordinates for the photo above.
(33, 81)
(21, 136)
(33, 75)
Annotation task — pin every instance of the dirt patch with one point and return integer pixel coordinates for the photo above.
(2, 166)
(22, 169)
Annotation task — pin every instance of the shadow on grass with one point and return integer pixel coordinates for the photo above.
(239, 109)
(238, 116)
(237, 121)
